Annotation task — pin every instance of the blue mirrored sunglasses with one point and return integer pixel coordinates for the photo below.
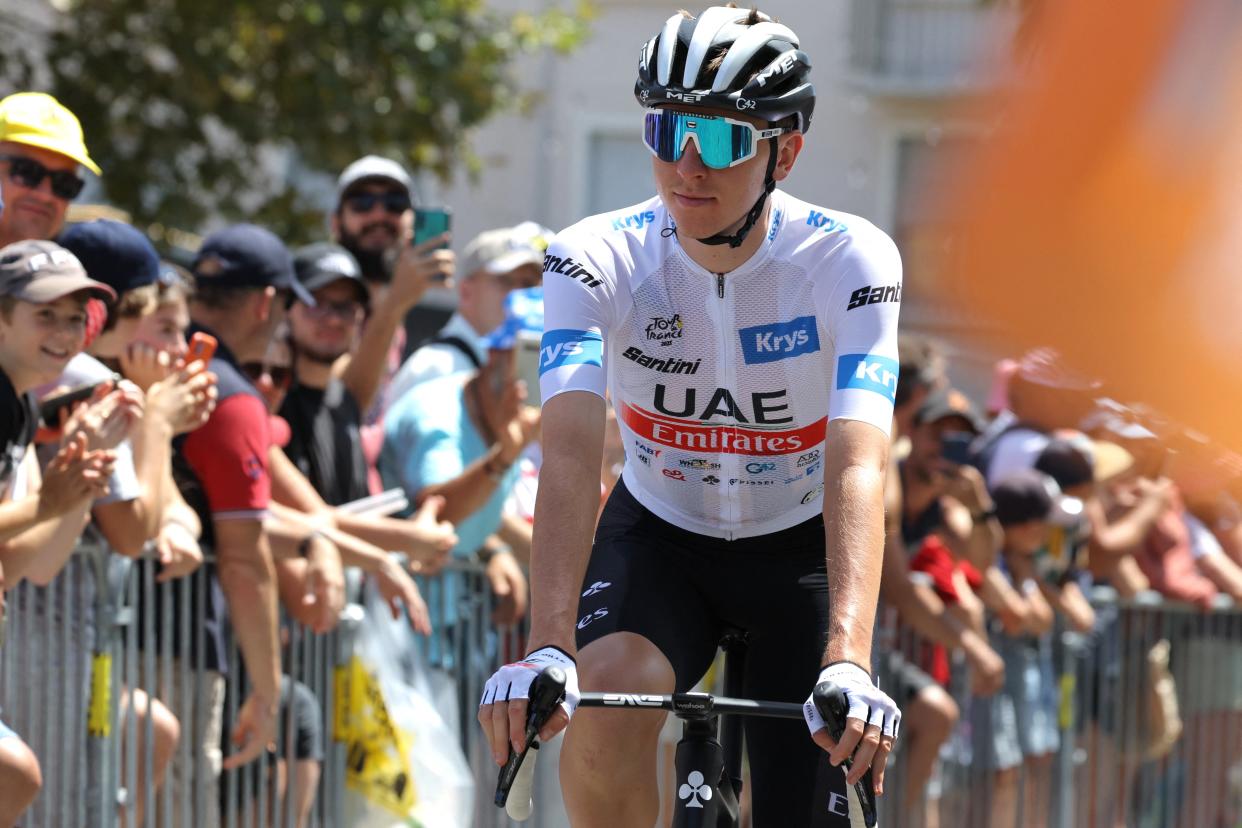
(721, 142)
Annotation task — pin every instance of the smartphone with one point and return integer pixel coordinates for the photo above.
(202, 348)
(526, 366)
(430, 222)
(51, 407)
(955, 446)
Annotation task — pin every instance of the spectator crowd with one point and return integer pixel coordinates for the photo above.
(215, 421)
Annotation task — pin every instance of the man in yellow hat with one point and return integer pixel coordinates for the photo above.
(41, 154)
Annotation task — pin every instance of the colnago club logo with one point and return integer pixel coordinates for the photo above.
(711, 480)
(566, 266)
(868, 295)
(722, 425)
(782, 340)
(693, 790)
(665, 330)
(868, 372)
(570, 347)
(671, 365)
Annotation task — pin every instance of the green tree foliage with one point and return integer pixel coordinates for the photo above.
(192, 108)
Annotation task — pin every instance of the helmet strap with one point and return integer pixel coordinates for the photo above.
(769, 184)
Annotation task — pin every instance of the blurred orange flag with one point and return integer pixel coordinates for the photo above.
(1104, 214)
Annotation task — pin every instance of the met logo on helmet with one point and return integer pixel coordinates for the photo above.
(568, 347)
(783, 65)
(769, 343)
(688, 97)
(868, 372)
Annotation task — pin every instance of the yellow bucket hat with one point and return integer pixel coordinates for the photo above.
(39, 120)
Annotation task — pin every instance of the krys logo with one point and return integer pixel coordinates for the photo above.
(634, 222)
(770, 343)
(664, 330)
(868, 372)
(568, 347)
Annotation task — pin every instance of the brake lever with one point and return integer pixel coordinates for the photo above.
(833, 708)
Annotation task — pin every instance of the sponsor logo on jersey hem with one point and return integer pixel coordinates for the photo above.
(868, 372)
(808, 458)
(722, 439)
(781, 340)
(568, 267)
(868, 295)
(672, 365)
(675, 474)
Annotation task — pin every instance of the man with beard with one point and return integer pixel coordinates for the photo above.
(374, 221)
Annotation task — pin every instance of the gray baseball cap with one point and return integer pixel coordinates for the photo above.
(506, 249)
(43, 271)
(374, 167)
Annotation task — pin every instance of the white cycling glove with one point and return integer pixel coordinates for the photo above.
(867, 702)
(512, 681)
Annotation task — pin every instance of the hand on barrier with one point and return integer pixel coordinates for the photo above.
(504, 706)
(254, 732)
(872, 723)
(398, 589)
(325, 583)
(178, 552)
(508, 584)
(435, 537)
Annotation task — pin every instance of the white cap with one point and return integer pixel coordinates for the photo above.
(373, 166)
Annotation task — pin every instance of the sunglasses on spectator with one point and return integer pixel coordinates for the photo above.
(395, 203)
(347, 311)
(280, 375)
(30, 173)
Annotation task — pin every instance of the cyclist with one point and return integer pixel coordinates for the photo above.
(748, 342)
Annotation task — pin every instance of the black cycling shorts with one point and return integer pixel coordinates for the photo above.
(682, 590)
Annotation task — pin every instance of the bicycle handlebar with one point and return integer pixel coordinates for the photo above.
(548, 689)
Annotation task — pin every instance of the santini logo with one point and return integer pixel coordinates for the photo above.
(874, 295)
(770, 343)
(868, 372)
(672, 365)
(568, 267)
(566, 347)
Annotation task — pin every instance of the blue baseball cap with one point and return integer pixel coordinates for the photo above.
(114, 253)
(523, 313)
(246, 255)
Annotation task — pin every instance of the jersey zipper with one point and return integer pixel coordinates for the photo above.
(728, 379)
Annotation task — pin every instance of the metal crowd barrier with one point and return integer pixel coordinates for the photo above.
(75, 648)
(1110, 766)
(73, 655)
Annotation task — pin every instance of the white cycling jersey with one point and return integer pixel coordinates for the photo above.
(724, 384)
